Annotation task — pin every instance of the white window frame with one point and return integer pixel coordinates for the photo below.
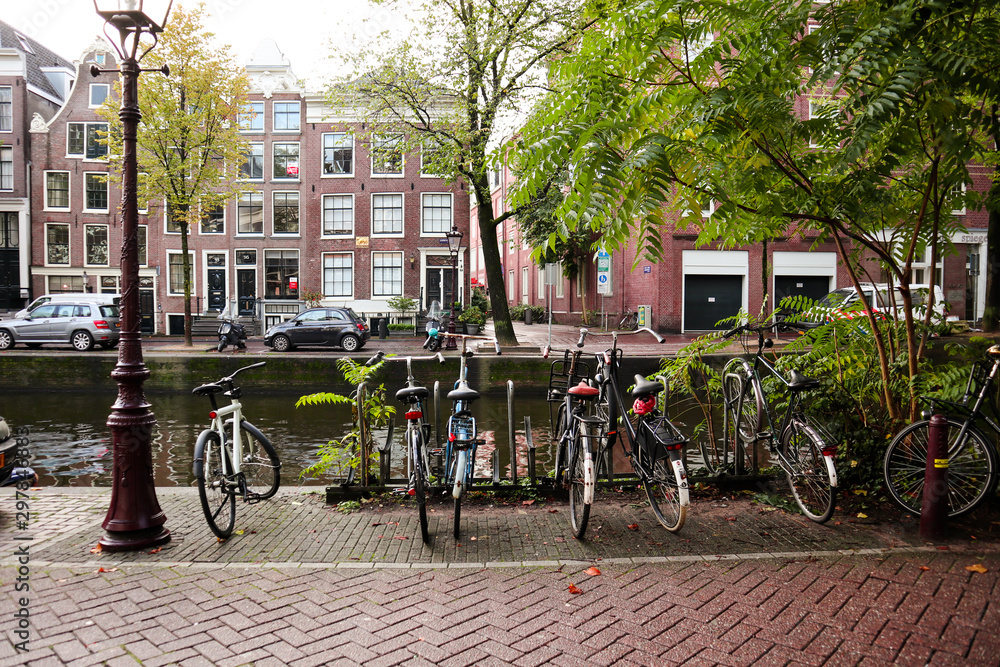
(298, 159)
(107, 191)
(959, 211)
(525, 284)
(402, 275)
(69, 243)
(263, 162)
(298, 206)
(7, 106)
(86, 131)
(451, 213)
(323, 148)
(402, 214)
(274, 117)
(332, 268)
(194, 272)
(323, 209)
(107, 241)
(561, 281)
(7, 158)
(695, 46)
(379, 138)
(69, 191)
(201, 216)
(143, 244)
(263, 211)
(241, 115)
(423, 172)
(541, 282)
(166, 220)
(90, 98)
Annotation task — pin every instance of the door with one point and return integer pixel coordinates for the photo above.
(813, 287)
(10, 274)
(246, 292)
(147, 324)
(216, 282)
(38, 324)
(309, 328)
(439, 282)
(334, 326)
(708, 299)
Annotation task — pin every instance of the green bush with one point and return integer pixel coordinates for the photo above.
(472, 315)
(400, 327)
(402, 304)
(479, 300)
(517, 312)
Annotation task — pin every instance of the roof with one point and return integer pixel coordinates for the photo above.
(38, 57)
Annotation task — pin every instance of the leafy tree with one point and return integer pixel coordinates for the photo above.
(189, 147)
(448, 88)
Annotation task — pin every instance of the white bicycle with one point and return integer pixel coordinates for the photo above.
(231, 461)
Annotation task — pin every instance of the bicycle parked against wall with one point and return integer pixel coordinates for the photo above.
(804, 452)
(232, 458)
(629, 321)
(972, 457)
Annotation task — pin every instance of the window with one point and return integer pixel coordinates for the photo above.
(250, 212)
(387, 214)
(286, 161)
(95, 245)
(87, 140)
(695, 43)
(281, 271)
(57, 244)
(175, 271)
(338, 154)
(141, 234)
(338, 275)
(435, 213)
(251, 117)
(387, 157)
(338, 215)
(6, 168)
(98, 93)
(286, 213)
(541, 282)
(173, 224)
(524, 284)
(57, 189)
(387, 274)
(707, 206)
(956, 195)
(6, 109)
(560, 280)
(95, 191)
(213, 219)
(432, 159)
(253, 165)
(820, 112)
(286, 116)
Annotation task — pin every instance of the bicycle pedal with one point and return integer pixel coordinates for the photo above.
(252, 498)
(764, 435)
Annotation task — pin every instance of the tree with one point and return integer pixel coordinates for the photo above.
(666, 104)
(189, 147)
(448, 88)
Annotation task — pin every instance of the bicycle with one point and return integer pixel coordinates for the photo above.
(460, 449)
(808, 460)
(972, 458)
(232, 457)
(417, 436)
(629, 321)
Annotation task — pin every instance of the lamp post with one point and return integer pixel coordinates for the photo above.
(454, 243)
(134, 520)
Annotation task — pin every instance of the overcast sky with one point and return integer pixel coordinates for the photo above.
(303, 29)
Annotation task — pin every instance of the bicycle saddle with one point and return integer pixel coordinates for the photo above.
(644, 387)
(206, 389)
(583, 390)
(408, 394)
(463, 392)
(800, 381)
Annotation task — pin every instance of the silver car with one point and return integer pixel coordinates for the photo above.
(79, 324)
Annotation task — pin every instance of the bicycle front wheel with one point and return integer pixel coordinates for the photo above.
(808, 475)
(972, 467)
(213, 470)
(581, 478)
(557, 434)
(667, 492)
(743, 400)
(461, 480)
(419, 480)
(260, 465)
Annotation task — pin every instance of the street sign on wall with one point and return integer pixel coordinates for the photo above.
(603, 273)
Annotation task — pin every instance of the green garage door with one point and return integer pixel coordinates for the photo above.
(708, 299)
(814, 287)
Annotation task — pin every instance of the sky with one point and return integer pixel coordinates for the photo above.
(303, 29)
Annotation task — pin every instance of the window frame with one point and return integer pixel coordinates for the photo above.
(69, 244)
(251, 108)
(381, 254)
(69, 193)
(87, 246)
(298, 160)
(7, 151)
(274, 211)
(323, 149)
(246, 163)
(180, 267)
(239, 205)
(324, 270)
(323, 210)
(423, 150)
(8, 106)
(377, 146)
(86, 191)
(85, 155)
(298, 273)
(451, 209)
(205, 213)
(90, 94)
(402, 214)
(275, 115)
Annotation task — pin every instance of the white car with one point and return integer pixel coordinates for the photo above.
(845, 303)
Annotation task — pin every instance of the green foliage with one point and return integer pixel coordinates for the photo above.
(517, 312)
(400, 327)
(472, 315)
(402, 304)
(479, 300)
(348, 506)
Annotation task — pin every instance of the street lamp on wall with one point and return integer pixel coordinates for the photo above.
(134, 520)
(454, 244)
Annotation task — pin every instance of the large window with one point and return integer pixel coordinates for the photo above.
(174, 225)
(387, 214)
(57, 189)
(98, 93)
(251, 117)
(286, 116)
(387, 274)
(387, 155)
(95, 245)
(250, 213)
(6, 109)
(281, 271)
(286, 212)
(57, 244)
(87, 140)
(338, 154)
(338, 215)
(95, 192)
(286, 161)
(143, 247)
(6, 168)
(338, 275)
(175, 271)
(435, 213)
(253, 167)
(432, 159)
(213, 219)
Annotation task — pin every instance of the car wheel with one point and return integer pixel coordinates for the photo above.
(82, 340)
(281, 343)
(6, 340)
(350, 342)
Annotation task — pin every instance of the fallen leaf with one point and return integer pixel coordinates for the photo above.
(862, 515)
(220, 540)
(574, 590)
(401, 537)
(238, 532)
(977, 568)
(730, 518)
(924, 568)
(860, 492)
(156, 550)
(553, 511)
(592, 571)
(295, 503)
(633, 526)
(836, 523)
(943, 548)
(527, 502)
(96, 550)
(101, 569)
(472, 539)
(377, 523)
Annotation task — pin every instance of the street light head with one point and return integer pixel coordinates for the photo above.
(133, 18)
(454, 240)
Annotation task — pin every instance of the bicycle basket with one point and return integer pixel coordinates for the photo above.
(659, 437)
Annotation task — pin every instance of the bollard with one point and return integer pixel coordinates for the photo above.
(934, 510)
(528, 315)
(383, 328)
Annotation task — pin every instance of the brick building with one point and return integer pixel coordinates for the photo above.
(323, 210)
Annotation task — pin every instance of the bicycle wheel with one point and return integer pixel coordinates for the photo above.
(810, 479)
(215, 487)
(560, 428)
(744, 403)
(972, 467)
(580, 473)
(460, 473)
(419, 481)
(260, 465)
(667, 492)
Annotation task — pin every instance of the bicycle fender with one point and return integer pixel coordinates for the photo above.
(460, 470)
(685, 495)
(588, 478)
(832, 469)
(199, 453)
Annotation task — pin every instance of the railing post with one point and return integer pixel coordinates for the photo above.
(385, 457)
(934, 509)
(530, 446)
(511, 434)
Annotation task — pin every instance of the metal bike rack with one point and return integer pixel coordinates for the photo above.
(529, 442)
(385, 456)
(496, 467)
(511, 435)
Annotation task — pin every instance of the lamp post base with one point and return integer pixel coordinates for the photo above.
(134, 540)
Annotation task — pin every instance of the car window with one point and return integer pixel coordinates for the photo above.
(338, 315)
(354, 316)
(109, 311)
(312, 316)
(836, 298)
(81, 311)
(48, 310)
(38, 302)
(64, 310)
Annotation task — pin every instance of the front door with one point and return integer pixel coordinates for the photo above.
(10, 274)
(245, 290)
(146, 323)
(439, 282)
(216, 282)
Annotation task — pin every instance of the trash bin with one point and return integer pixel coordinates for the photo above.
(528, 315)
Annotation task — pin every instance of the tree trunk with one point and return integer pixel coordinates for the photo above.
(186, 259)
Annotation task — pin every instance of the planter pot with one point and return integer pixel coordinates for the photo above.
(472, 329)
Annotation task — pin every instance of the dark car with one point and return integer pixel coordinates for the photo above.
(340, 327)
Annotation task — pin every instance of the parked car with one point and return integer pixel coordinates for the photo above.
(844, 303)
(340, 327)
(69, 297)
(79, 324)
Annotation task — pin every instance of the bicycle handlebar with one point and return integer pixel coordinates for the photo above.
(584, 332)
(377, 358)
(767, 326)
(229, 378)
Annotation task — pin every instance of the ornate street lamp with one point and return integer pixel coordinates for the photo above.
(454, 243)
(134, 520)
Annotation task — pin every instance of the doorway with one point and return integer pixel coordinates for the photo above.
(246, 292)
(438, 277)
(10, 273)
(216, 282)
